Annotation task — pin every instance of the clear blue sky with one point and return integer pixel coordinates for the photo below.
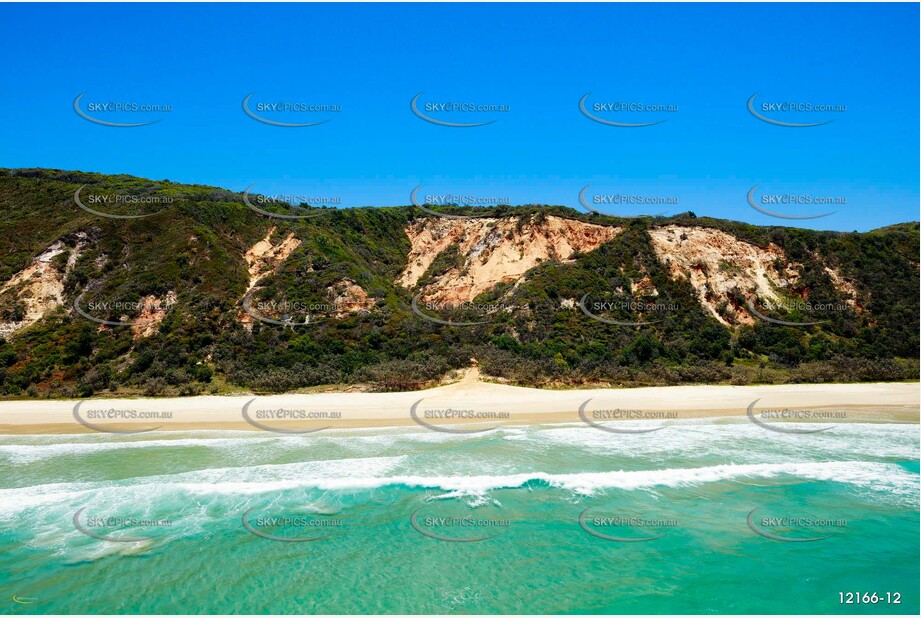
(537, 59)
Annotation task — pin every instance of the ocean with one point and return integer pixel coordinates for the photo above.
(707, 516)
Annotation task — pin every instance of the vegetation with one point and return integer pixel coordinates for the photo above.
(193, 245)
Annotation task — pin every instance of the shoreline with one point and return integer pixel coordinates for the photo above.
(469, 402)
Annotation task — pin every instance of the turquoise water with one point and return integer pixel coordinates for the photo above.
(687, 489)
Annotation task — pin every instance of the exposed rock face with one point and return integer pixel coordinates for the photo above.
(264, 257)
(644, 287)
(844, 286)
(348, 297)
(717, 264)
(493, 251)
(153, 310)
(485, 252)
(39, 287)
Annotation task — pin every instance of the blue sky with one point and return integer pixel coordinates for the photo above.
(537, 59)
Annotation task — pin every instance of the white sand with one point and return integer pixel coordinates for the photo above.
(880, 402)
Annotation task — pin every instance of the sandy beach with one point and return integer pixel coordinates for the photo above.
(467, 402)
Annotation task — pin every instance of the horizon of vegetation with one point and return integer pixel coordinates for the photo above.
(193, 246)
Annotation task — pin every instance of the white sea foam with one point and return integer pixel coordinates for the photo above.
(236, 480)
(374, 473)
(740, 439)
(863, 474)
(686, 453)
(26, 453)
(713, 436)
(26, 449)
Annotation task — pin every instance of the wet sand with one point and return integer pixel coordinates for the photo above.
(468, 402)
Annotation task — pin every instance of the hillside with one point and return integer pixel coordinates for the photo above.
(191, 290)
